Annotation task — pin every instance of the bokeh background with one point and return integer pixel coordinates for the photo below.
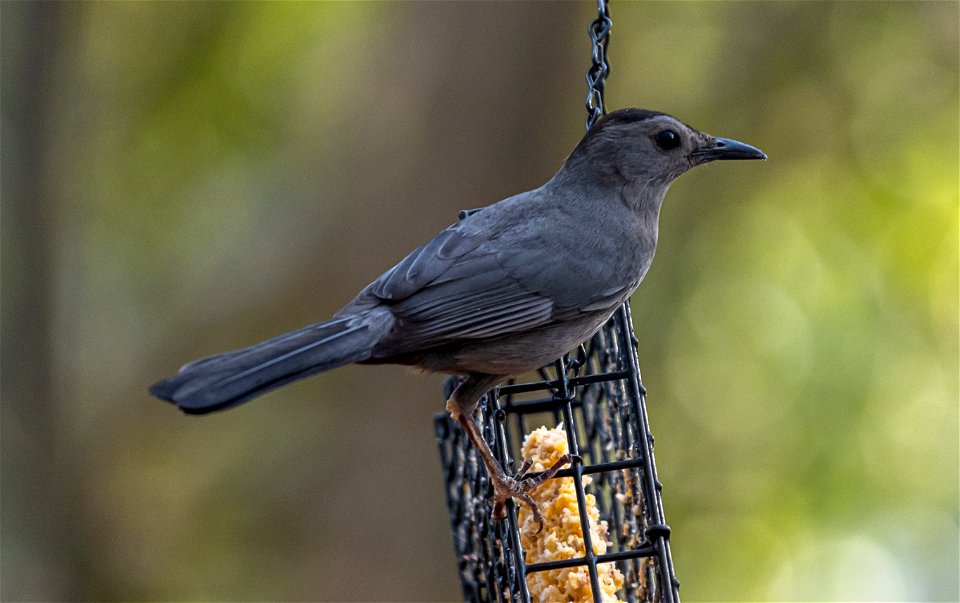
(183, 178)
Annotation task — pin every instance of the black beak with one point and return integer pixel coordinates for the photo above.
(724, 148)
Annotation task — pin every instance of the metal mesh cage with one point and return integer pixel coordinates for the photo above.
(596, 394)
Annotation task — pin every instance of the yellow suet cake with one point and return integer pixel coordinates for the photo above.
(562, 536)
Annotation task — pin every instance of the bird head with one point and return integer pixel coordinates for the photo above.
(650, 149)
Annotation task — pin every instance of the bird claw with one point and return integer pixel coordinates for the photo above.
(520, 486)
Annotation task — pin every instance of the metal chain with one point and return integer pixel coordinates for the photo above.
(599, 31)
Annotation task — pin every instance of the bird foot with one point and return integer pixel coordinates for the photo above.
(520, 486)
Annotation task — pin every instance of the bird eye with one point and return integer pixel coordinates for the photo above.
(667, 140)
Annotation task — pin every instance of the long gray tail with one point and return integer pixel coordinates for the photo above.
(228, 379)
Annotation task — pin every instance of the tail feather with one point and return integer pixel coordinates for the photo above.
(229, 379)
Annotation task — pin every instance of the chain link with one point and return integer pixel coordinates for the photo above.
(599, 31)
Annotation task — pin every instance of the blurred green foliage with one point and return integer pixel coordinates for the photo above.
(180, 178)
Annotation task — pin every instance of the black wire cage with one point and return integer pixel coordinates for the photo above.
(596, 394)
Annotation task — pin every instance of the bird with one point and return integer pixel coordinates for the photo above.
(506, 290)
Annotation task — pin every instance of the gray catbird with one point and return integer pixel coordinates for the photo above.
(502, 292)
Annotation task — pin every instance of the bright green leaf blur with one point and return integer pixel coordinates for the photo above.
(183, 178)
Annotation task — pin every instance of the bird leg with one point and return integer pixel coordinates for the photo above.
(461, 406)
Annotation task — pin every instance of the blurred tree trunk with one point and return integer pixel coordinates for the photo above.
(35, 550)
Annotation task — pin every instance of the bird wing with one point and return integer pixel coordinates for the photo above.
(475, 298)
(454, 287)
